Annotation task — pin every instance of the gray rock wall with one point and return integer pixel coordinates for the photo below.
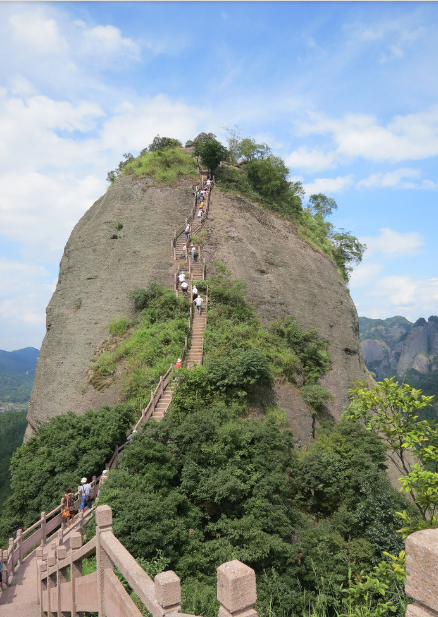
(285, 276)
(96, 274)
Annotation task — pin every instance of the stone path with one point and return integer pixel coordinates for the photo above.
(20, 598)
(196, 350)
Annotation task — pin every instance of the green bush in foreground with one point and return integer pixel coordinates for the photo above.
(233, 487)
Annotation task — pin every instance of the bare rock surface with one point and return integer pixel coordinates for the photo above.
(100, 265)
(285, 276)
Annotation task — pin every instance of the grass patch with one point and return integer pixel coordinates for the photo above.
(165, 166)
(154, 341)
(118, 326)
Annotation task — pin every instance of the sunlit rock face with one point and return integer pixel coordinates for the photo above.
(285, 276)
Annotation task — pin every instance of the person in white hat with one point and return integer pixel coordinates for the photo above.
(84, 491)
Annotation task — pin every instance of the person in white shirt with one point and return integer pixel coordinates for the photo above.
(184, 287)
(181, 277)
(193, 251)
(198, 303)
(194, 292)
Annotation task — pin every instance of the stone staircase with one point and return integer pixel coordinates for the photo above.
(194, 271)
(163, 404)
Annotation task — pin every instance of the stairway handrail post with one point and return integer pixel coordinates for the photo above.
(43, 528)
(19, 539)
(11, 568)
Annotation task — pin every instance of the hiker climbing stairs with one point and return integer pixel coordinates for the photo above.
(196, 350)
(194, 271)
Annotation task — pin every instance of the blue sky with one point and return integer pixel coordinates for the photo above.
(345, 92)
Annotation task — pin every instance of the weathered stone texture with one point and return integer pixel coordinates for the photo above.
(422, 567)
(96, 274)
(286, 276)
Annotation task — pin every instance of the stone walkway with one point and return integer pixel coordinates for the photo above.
(20, 598)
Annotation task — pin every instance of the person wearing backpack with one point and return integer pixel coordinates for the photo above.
(85, 492)
(68, 509)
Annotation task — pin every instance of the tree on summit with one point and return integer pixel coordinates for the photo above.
(211, 153)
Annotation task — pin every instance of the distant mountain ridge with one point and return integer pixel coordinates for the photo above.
(396, 347)
(17, 369)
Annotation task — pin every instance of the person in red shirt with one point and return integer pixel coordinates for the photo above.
(178, 363)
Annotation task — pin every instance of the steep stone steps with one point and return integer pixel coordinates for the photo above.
(163, 404)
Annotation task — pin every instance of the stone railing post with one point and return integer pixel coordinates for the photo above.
(4, 560)
(11, 568)
(75, 569)
(104, 521)
(51, 583)
(42, 585)
(61, 553)
(19, 540)
(236, 589)
(43, 528)
(168, 592)
(422, 573)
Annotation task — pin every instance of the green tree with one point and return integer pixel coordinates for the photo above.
(393, 411)
(162, 143)
(63, 450)
(321, 204)
(12, 426)
(113, 175)
(347, 251)
(211, 153)
(202, 138)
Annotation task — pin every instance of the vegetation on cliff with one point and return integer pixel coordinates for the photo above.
(12, 426)
(252, 170)
(58, 455)
(141, 350)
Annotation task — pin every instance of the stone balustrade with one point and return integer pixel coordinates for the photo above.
(62, 588)
(422, 573)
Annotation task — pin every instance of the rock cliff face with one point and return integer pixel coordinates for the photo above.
(100, 265)
(397, 347)
(285, 276)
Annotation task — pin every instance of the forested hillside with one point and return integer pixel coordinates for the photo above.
(17, 369)
(226, 474)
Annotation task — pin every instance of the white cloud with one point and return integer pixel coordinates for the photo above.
(311, 160)
(391, 178)
(364, 274)
(391, 243)
(410, 137)
(37, 33)
(328, 185)
(108, 40)
(399, 295)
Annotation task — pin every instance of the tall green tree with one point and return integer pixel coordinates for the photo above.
(211, 153)
(393, 411)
